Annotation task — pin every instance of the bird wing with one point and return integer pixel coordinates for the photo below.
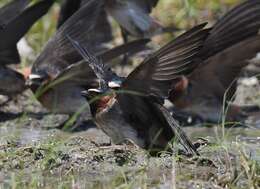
(159, 71)
(58, 54)
(241, 22)
(233, 40)
(12, 10)
(103, 30)
(17, 28)
(9, 56)
(68, 8)
(223, 68)
(82, 74)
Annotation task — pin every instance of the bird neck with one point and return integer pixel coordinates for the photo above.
(102, 103)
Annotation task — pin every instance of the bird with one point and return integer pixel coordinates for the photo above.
(134, 111)
(15, 20)
(233, 40)
(62, 95)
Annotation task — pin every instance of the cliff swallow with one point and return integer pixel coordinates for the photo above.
(16, 20)
(58, 75)
(233, 40)
(134, 111)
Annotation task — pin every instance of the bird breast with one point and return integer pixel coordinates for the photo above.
(112, 122)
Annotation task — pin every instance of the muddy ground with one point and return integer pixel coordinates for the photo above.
(34, 156)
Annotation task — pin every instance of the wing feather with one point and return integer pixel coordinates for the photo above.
(58, 54)
(12, 10)
(157, 73)
(241, 22)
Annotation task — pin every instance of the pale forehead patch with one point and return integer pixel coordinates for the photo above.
(34, 76)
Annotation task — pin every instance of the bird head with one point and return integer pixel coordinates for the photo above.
(36, 80)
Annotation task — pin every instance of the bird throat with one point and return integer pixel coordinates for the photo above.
(104, 102)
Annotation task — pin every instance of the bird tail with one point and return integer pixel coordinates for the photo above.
(179, 133)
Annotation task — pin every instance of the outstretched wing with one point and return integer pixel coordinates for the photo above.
(103, 31)
(232, 42)
(158, 72)
(223, 68)
(238, 24)
(58, 54)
